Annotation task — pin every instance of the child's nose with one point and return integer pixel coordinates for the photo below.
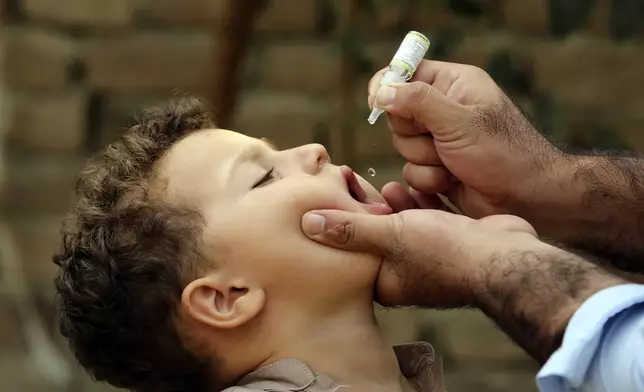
(315, 157)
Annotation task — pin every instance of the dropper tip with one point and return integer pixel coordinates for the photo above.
(375, 113)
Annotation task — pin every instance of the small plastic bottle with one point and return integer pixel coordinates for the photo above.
(410, 53)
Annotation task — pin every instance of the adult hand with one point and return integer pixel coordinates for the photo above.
(431, 258)
(437, 259)
(463, 137)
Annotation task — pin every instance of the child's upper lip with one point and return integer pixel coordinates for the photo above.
(359, 194)
(353, 186)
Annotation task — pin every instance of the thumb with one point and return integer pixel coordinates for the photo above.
(421, 103)
(349, 231)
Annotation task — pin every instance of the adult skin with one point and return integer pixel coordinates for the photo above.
(462, 136)
(438, 259)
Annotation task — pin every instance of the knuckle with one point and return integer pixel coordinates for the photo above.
(413, 169)
(396, 249)
(454, 74)
(414, 174)
(419, 92)
(344, 232)
(478, 72)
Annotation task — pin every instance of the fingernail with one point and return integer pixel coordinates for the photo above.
(385, 96)
(313, 224)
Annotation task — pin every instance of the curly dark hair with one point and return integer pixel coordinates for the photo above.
(126, 258)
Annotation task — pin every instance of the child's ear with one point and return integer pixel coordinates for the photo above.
(222, 303)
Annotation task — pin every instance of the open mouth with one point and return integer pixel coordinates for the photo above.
(354, 187)
(358, 194)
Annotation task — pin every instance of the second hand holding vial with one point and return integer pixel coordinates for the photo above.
(403, 65)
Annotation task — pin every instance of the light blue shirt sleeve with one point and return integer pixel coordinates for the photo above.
(603, 345)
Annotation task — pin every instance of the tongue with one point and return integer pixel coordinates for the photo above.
(371, 206)
(353, 184)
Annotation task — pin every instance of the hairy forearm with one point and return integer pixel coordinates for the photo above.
(595, 203)
(532, 294)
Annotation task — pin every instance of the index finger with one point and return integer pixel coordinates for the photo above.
(427, 72)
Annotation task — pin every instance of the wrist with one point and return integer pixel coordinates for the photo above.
(542, 184)
(519, 296)
(533, 292)
(530, 163)
(505, 268)
(552, 199)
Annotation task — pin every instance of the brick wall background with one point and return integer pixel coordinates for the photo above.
(76, 70)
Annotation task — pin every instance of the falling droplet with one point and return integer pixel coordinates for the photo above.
(371, 171)
(373, 145)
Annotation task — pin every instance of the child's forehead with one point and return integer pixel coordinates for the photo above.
(212, 153)
(210, 142)
(207, 149)
(202, 149)
(196, 167)
(223, 137)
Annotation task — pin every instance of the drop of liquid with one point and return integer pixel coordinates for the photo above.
(371, 171)
(374, 145)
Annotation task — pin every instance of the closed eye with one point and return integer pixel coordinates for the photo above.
(266, 178)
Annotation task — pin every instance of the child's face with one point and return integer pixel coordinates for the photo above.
(253, 198)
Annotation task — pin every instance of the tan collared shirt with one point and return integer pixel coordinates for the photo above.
(417, 361)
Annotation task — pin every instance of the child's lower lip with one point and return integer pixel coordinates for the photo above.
(372, 206)
(377, 208)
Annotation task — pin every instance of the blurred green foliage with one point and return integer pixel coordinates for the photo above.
(466, 8)
(444, 42)
(627, 17)
(603, 136)
(327, 18)
(568, 15)
(503, 68)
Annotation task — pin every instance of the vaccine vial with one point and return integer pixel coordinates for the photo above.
(410, 53)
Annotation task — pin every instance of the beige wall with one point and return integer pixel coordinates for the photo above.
(78, 70)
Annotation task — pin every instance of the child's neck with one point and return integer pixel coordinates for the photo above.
(348, 347)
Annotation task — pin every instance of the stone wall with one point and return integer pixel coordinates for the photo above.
(77, 70)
